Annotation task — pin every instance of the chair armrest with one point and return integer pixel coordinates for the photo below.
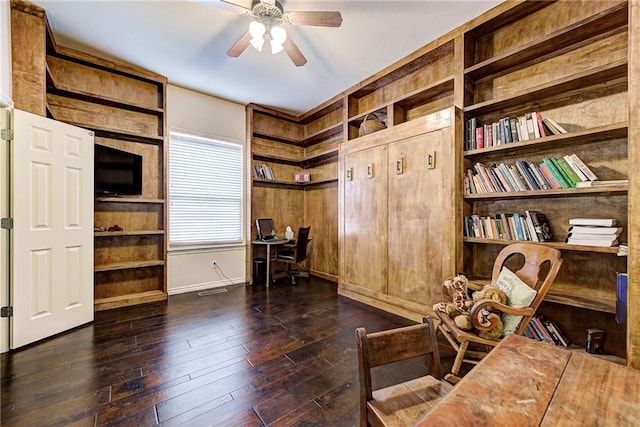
(497, 310)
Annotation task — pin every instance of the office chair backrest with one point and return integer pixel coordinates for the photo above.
(301, 244)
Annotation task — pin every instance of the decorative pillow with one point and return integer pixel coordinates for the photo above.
(519, 295)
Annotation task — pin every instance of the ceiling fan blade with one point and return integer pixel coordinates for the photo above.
(239, 46)
(318, 19)
(294, 53)
(232, 7)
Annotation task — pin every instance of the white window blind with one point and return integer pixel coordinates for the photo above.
(205, 190)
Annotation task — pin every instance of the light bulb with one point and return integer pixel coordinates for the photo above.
(256, 29)
(257, 43)
(278, 36)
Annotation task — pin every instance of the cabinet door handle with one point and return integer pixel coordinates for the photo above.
(370, 170)
(431, 160)
(399, 165)
(349, 174)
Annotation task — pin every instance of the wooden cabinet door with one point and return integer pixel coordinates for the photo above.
(365, 219)
(417, 216)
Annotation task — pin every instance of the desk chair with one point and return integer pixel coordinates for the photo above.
(405, 403)
(295, 253)
(535, 259)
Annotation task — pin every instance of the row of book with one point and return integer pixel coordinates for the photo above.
(508, 129)
(531, 226)
(542, 329)
(262, 171)
(602, 232)
(553, 173)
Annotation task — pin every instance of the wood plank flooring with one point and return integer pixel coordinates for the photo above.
(244, 357)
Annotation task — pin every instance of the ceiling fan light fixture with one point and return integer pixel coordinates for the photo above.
(257, 43)
(257, 29)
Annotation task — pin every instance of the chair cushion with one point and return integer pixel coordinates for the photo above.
(405, 403)
(519, 295)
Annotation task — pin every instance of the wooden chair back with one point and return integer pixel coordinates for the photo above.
(380, 348)
(537, 259)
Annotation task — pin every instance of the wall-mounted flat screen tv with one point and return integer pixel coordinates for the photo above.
(117, 172)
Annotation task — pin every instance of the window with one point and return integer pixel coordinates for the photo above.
(205, 190)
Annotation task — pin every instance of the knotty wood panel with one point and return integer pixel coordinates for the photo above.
(101, 117)
(586, 58)
(323, 147)
(323, 122)
(284, 205)
(321, 213)
(28, 57)
(531, 27)
(90, 80)
(267, 124)
(152, 164)
(118, 249)
(266, 147)
(438, 68)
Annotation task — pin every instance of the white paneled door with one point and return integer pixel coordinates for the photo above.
(52, 238)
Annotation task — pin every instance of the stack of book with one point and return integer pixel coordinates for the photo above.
(531, 226)
(553, 173)
(262, 171)
(593, 232)
(542, 329)
(508, 129)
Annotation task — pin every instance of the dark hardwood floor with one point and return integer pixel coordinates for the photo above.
(245, 357)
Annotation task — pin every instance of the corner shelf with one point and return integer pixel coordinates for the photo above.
(127, 200)
(129, 299)
(562, 192)
(291, 184)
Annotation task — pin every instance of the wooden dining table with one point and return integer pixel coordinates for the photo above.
(523, 382)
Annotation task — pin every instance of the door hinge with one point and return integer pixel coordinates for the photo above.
(6, 311)
(6, 134)
(6, 223)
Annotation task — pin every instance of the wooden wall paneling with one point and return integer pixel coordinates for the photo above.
(267, 124)
(321, 213)
(152, 168)
(365, 219)
(123, 248)
(269, 148)
(417, 217)
(633, 302)
(128, 287)
(100, 117)
(88, 80)
(530, 27)
(130, 216)
(28, 50)
(284, 205)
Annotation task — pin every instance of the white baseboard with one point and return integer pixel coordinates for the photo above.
(204, 286)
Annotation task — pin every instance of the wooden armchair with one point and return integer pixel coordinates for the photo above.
(404, 403)
(536, 259)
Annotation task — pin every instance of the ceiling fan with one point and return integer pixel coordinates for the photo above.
(268, 16)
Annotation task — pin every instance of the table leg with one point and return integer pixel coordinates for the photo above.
(268, 264)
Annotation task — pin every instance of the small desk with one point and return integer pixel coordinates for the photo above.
(529, 383)
(268, 245)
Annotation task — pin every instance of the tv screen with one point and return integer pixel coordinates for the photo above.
(117, 172)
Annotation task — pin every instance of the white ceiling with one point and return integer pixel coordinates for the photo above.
(186, 41)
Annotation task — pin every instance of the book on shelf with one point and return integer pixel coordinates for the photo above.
(579, 173)
(605, 243)
(598, 222)
(621, 297)
(583, 167)
(507, 130)
(569, 172)
(586, 229)
(540, 226)
(263, 171)
(608, 183)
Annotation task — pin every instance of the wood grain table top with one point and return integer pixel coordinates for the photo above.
(529, 383)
